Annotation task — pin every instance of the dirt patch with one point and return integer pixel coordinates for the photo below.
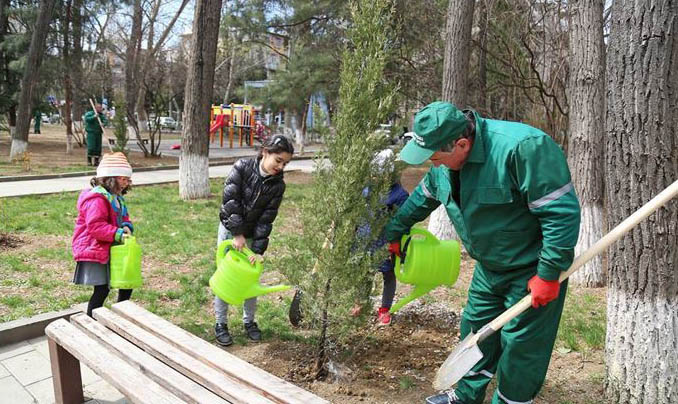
(7, 241)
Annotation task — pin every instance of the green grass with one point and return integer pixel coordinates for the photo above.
(406, 383)
(583, 324)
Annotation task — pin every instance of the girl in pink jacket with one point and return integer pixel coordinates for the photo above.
(102, 221)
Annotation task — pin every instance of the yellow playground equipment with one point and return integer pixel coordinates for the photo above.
(233, 118)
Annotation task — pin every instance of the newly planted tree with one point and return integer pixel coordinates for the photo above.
(331, 264)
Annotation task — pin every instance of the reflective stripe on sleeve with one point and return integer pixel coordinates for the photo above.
(426, 191)
(550, 197)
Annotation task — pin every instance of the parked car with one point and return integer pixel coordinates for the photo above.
(167, 122)
(45, 118)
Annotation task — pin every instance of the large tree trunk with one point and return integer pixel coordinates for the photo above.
(585, 149)
(193, 165)
(68, 86)
(641, 160)
(30, 77)
(455, 85)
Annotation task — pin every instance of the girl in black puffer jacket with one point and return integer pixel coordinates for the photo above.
(252, 194)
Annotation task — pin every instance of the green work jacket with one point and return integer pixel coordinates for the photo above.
(517, 206)
(91, 123)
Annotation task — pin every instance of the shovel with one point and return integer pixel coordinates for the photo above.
(467, 353)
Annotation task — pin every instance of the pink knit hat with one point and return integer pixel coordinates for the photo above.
(114, 165)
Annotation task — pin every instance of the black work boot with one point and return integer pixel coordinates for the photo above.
(446, 397)
(89, 160)
(253, 332)
(96, 161)
(223, 337)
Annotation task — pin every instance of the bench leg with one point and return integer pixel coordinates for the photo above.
(65, 375)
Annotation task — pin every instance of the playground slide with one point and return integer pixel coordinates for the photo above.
(218, 123)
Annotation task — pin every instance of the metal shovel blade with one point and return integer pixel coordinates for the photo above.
(458, 363)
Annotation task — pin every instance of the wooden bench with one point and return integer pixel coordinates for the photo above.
(111, 140)
(150, 360)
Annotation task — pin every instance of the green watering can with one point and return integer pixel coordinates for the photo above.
(235, 279)
(126, 265)
(426, 263)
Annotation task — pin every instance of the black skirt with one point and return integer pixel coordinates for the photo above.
(92, 273)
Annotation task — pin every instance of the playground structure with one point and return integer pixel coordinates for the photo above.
(236, 118)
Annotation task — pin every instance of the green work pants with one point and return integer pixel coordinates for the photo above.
(93, 144)
(519, 354)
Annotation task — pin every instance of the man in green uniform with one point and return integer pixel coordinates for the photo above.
(37, 117)
(94, 133)
(507, 189)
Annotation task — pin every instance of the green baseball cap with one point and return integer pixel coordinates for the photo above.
(435, 125)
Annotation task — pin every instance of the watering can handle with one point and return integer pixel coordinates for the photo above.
(405, 241)
(227, 245)
(423, 232)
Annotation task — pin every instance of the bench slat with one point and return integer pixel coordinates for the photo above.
(136, 386)
(269, 385)
(220, 383)
(177, 383)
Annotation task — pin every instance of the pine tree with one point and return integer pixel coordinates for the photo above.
(336, 277)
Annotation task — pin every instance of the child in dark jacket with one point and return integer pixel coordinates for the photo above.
(252, 194)
(102, 220)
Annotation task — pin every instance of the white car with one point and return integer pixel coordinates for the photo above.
(167, 122)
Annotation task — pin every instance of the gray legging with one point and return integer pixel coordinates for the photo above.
(220, 306)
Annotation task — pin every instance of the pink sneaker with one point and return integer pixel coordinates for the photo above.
(383, 317)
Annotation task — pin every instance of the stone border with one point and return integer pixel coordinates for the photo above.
(28, 328)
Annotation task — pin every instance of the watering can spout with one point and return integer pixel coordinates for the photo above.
(419, 291)
(258, 290)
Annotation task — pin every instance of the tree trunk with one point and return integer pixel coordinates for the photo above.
(131, 72)
(641, 160)
(585, 149)
(483, 16)
(30, 77)
(68, 86)
(76, 66)
(229, 84)
(455, 85)
(193, 165)
(457, 51)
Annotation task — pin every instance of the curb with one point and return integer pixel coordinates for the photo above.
(220, 162)
(28, 328)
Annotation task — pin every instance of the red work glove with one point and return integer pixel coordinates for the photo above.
(542, 291)
(394, 247)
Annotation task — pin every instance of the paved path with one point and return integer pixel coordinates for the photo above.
(70, 184)
(26, 377)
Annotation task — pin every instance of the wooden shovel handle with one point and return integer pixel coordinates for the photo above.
(601, 245)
